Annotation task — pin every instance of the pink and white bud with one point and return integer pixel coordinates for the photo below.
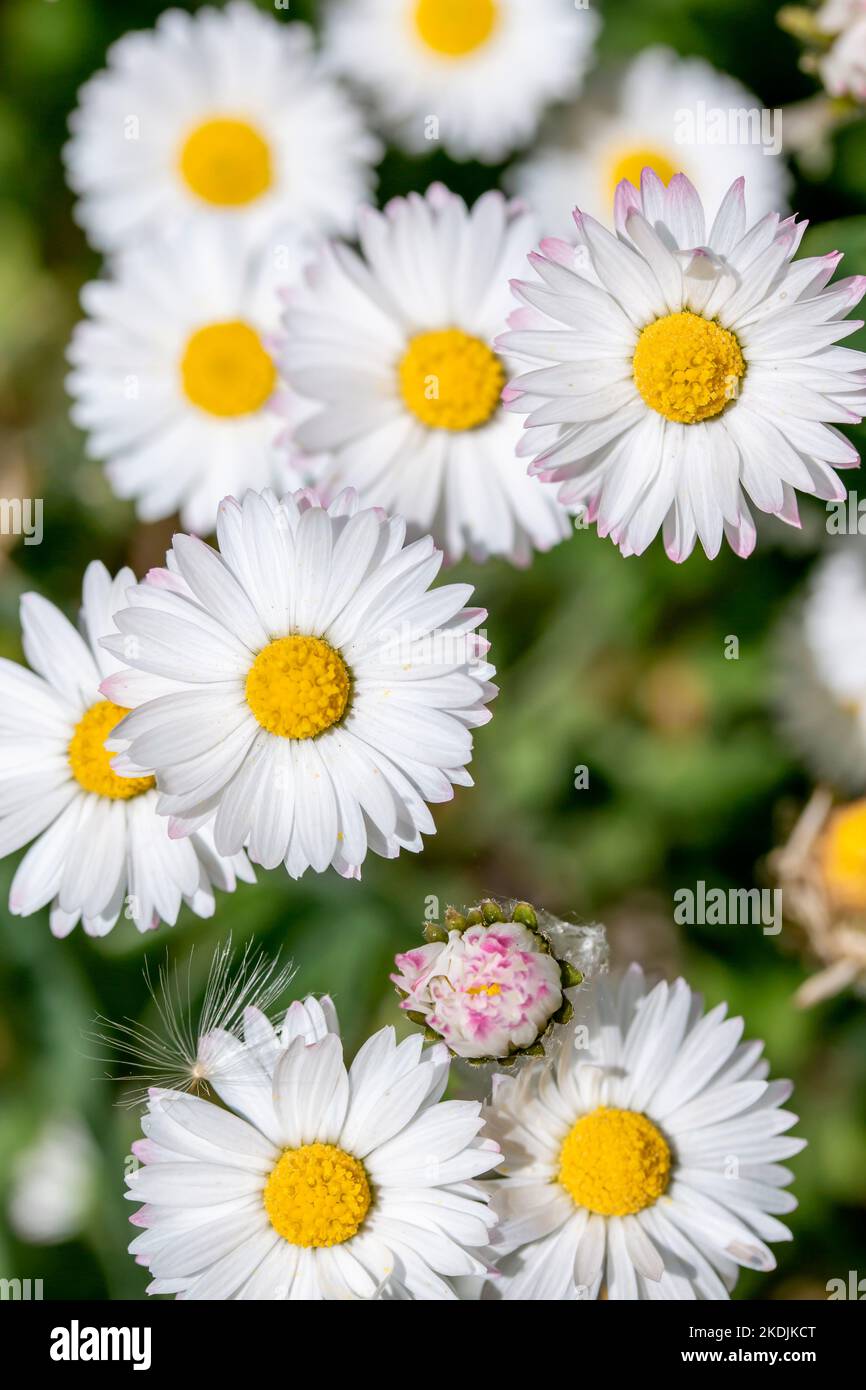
(492, 982)
(487, 992)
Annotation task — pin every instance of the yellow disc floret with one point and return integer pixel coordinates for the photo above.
(630, 164)
(687, 368)
(226, 371)
(454, 28)
(298, 687)
(614, 1162)
(842, 856)
(317, 1195)
(90, 760)
(450, 380)
(226, 162)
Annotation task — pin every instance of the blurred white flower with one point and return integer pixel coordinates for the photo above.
(671, 114)
(820, 671)
(822, 874)
(843, 67)
(54, 1183)
(218, 116)
(475, 74)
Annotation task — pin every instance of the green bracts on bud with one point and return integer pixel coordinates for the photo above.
(525, 914)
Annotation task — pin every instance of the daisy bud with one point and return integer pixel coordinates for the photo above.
(493, 981)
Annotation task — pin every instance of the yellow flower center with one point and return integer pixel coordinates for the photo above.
(490, 990)
(630, 164)
(317, 1195)
(455, 27)
(226, 162)
(614, 1162)
(298, 686)
(90, 760)
(842, 856)
(450, 380)
(687, 367)
(226, 371)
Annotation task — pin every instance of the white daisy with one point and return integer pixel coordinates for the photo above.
(820, 675)
(301, 683)
(677, 370)
(315, 1182)
(173, 375)
(475, 74)
(100, 848)
(395, 350)
(667, 113)
(648, 1162)
(224, 115)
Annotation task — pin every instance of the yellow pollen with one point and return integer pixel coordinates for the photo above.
(630, 164)
(298, 687)
(226, 371)
(687, 368)
(226, 162)
(454, 28)
(842, 856)
(614, 1162)
(489, 990)
(90, 760)
(317, 1195)
(450, 380)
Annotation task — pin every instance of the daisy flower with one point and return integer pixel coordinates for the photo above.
(475, 74)
(645, 1159)
(100, 849)
(666, 113)
(221, 116)
(395, 349)
(492, 982)
(820, 671)
(822, 873)
(173, 374)
(313, 1181)
(301, 684)
(678, 371)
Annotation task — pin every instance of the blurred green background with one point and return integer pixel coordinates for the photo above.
(615, 664)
